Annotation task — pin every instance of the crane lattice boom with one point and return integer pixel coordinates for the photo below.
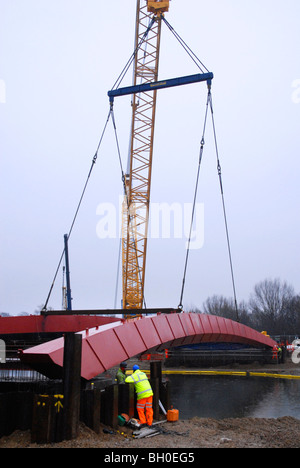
(138, 177)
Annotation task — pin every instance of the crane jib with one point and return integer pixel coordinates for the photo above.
(184, 80)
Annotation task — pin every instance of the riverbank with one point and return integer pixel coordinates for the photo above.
(283, 432)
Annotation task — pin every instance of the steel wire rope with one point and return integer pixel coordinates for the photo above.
(224, 208)
(188, 50)
(94, 160)
(180, 306)
(132, 57)
(118, 270)
(209, 105)
(200, 64)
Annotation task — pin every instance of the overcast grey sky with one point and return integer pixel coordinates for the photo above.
(58, 59)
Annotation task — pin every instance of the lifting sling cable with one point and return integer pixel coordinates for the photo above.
(209, 104)
(118, 271)
(180, 306)
(193, 56)
(126, 194)
(94, 160)
(224, 208)
(200, 65)
(131, 59)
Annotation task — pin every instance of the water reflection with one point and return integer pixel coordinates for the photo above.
(222, 397)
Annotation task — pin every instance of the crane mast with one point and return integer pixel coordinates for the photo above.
(138, 176)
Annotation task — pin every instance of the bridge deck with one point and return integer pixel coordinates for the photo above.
(106, 346)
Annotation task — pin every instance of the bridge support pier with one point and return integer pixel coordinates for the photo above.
(90, 409)
(155, 381)
(127, 399)
(72, 385)
(161, 389)
(109, 406)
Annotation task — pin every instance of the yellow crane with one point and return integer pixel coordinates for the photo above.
(137, 181)
(138, 176)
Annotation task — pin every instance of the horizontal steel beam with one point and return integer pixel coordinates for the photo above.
(142, 88)
(112, 312)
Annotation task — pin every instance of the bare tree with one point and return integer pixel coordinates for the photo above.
(290, 322)
(272, 307)
(223, 307)
(269, 303)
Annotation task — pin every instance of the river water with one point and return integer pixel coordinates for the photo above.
(222, 397)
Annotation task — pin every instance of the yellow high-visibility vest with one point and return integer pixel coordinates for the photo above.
(141, 384)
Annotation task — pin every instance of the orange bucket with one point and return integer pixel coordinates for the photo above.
(172, 415)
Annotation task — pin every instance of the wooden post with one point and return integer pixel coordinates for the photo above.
(126, 399)
(41, 421)
(90, 409)
(156, 370)
(72, 384)
(165, 396)
(109, 406)
(155, 387)
(155, 380)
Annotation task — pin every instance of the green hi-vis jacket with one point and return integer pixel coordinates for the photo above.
(141, 383)
(120, 377)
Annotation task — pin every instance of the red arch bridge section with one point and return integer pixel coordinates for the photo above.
(106, 346)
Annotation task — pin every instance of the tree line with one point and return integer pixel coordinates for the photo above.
(273, 307)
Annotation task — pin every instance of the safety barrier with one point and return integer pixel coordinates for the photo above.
(274, 376)
(233, 373)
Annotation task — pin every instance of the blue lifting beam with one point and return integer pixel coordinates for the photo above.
(184, 80)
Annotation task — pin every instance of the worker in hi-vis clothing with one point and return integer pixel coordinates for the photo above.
(144, 395)
(121, 374)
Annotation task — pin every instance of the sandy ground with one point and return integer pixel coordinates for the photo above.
(194, 433)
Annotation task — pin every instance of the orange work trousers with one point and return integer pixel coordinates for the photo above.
(145, 406)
